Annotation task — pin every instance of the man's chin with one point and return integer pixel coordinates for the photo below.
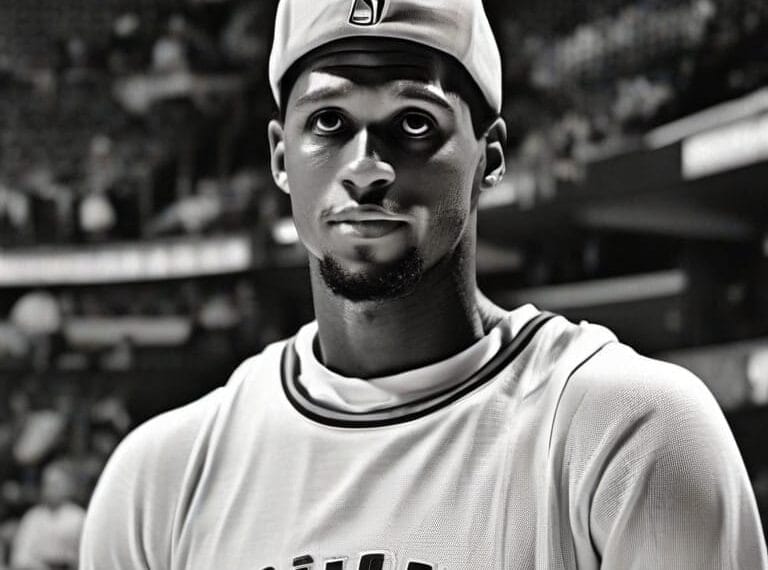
(373, 282)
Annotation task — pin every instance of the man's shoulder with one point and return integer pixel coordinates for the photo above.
(590, 358)
(643, 447)
(554, 347)
(618, 371)
(153, 469)
(618, 395)
(162, 443)
(159, 447)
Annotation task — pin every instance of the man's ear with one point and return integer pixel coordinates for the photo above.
(277, 155)
(495, 144)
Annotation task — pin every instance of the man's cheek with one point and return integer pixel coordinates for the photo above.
(454, 218)
(305, 227)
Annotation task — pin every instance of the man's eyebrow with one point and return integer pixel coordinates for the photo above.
(321, 94)
(412, 91)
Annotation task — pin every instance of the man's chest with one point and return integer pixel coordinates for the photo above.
(433, 498)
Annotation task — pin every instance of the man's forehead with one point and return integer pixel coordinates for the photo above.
(344, 81)
(399, 73)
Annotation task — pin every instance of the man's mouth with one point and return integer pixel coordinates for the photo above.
(364, 213)
(368, 228)
(366, 221)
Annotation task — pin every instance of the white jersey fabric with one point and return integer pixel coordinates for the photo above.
(565, 449)
(365, 395)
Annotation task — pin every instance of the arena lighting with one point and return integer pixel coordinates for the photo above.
(514, 187)
(141, 330)
(725, 148)
(735, 372)
(728, 113)
(603, 291)
(114, 263)
(284, 232)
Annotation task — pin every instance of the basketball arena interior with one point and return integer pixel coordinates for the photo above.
(145, 250)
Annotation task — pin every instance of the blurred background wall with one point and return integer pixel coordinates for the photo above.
(144, 250)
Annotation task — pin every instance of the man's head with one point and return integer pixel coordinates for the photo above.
(385, 139)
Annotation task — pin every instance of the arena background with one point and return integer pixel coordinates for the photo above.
(144, 250)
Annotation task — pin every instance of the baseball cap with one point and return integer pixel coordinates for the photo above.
(459, 28)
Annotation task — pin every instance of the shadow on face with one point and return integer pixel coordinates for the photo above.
(379, 60)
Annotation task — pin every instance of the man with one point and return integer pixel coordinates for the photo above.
(415, 425)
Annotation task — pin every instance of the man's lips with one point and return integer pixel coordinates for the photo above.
(368, 229)
(364, 214)
(366, 221)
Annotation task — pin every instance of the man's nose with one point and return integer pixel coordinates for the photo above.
(365, 174)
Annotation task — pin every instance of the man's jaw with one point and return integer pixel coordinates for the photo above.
(391, 281)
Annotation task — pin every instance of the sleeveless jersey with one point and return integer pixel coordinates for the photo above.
(565, 450)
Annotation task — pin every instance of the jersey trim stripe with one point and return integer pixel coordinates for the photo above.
(301, 400)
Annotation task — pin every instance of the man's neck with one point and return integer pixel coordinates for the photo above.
(444, 315)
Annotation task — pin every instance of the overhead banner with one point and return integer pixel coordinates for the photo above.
(116, 263)
(726, 148)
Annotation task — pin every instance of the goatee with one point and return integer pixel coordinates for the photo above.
(397, 279)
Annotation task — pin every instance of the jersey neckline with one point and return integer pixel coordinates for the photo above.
(333, 390)
(300, 399)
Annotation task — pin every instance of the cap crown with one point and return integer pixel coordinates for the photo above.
(459, 28)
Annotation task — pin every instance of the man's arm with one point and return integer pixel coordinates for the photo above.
(657, 476)
(135, 512)
(130, 519)
(113, 534)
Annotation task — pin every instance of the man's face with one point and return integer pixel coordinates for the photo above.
(382, 165)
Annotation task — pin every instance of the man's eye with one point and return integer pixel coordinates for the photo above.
(328, 123)
(417, 125)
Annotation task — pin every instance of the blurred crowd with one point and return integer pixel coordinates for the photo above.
(54, 446)
(122, 328)
(128, 123)
(78, 369)
(125, 121)
(594, 88)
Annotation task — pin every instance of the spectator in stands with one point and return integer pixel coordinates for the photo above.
(74, 60)
(96, 216)
(37, 315)
(15, 214)
(126, 46)
(49, 533)
(183, 48)
(169, 54)
(243, 38)
(104, 438)
(8, 529)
